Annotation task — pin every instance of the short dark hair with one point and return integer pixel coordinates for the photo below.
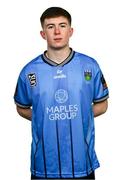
(55, 12)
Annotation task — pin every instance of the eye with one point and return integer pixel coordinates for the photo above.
(63, 25)
(50, 27)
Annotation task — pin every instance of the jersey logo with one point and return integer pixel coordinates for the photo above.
(59, 75)
(87, 75)
(62, 111)
(61, 96)
(32, 79)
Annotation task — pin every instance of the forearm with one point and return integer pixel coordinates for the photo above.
(25, 113)
(100, 108)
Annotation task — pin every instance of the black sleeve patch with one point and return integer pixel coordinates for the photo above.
(103, 82)
(32, 79)
(16, 90)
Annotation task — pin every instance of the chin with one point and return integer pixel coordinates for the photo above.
(58, 47)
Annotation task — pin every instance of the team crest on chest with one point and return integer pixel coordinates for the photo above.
(87, 75)
(32, 79)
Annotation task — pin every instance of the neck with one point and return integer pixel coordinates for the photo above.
(58, 55)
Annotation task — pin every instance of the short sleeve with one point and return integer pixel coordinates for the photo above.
(101, 92)
(21, 96)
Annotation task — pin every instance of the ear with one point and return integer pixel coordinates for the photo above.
(42, 33)
(71, 31)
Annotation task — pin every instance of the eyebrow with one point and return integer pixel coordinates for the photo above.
(54, 24)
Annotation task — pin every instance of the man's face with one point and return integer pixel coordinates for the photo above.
(57, 32)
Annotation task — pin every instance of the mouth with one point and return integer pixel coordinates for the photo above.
(57, 39)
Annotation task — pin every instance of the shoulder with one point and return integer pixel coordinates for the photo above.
(31, 66)
(86, 60)
(32, 63)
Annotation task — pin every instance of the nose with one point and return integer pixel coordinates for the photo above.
(57, 30)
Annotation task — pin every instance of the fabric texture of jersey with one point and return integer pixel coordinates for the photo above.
(61, 97)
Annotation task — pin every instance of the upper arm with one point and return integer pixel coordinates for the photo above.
(100, 108)
(24, 112)
(22, 96)
(101, 92)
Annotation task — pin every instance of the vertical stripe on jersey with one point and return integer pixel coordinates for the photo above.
(88, 155)
(58, 147)
(71, 148)
(35, 157)
(44, 157)
(88, 158)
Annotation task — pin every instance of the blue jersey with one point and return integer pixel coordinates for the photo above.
(61, 97)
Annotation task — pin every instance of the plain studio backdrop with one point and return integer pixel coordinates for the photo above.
(96, 33)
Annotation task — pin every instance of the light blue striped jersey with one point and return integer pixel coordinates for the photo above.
(61, 97)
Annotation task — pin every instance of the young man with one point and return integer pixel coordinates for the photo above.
(61, 91)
